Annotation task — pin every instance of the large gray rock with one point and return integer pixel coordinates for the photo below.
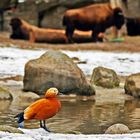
(55, 69)
(5, 94)
(104, 77)
(117, 129)
(132, 85)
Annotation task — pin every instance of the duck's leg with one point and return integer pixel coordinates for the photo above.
(45, 127)
(41, 125)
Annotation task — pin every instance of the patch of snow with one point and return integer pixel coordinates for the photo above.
(13, 60)
(40, 134)
(123, 63)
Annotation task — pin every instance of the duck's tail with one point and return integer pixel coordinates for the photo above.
(20, 120)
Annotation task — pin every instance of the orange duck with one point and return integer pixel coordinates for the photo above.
(41, 109)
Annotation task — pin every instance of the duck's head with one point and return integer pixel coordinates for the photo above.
(51, 92)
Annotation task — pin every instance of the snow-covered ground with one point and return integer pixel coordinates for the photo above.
(40, 134)
(12, 60)
(122, 63)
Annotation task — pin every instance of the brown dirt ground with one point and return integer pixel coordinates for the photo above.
(131, 44)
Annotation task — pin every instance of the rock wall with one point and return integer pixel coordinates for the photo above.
(53, 14)
(48, 12)
(130, 8)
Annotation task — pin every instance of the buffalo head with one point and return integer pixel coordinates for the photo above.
(118, 18)
(15, 23)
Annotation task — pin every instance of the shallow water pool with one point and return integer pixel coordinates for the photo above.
(87, 117)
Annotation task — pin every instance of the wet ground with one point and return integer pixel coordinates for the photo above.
(86, 115)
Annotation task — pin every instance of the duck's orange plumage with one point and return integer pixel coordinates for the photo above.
(42, 109)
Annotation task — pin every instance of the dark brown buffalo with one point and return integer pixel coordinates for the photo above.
(23, 30)
(96, 17)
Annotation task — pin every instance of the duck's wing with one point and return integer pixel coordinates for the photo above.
(33, 109)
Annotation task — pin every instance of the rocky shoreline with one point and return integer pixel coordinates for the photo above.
(102, 94)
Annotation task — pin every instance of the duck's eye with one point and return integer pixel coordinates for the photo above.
(56, 91)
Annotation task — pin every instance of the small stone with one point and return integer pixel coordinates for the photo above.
(5, 94)
(104, 77)
(132, 85)
(117, 129)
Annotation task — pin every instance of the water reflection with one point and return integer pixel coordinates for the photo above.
(4, 106)
(132, 113)
(88, 117)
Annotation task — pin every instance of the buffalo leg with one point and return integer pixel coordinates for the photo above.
(100, 39)
(69, 34)
(95, 36)
(95, 32)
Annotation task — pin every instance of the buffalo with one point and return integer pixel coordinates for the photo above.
(95, 17)
(25, 31)
(133, 26)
